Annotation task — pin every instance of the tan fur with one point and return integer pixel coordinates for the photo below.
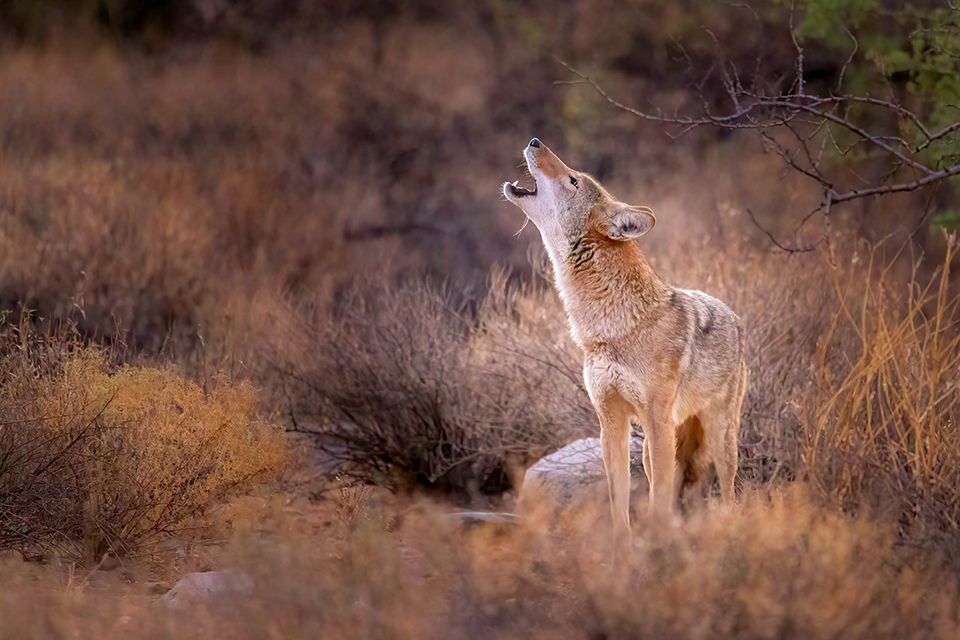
(671, 359)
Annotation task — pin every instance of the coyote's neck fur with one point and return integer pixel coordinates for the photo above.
(608, 288)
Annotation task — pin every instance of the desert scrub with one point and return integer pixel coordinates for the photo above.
(407, 388)
(776, 566)
(93, 460)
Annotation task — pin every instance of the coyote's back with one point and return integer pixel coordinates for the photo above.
(671, 359)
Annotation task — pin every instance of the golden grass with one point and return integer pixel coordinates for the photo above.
(881, 426)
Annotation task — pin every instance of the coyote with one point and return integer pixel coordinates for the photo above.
(669, 358)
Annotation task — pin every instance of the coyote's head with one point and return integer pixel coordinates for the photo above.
(567, 205)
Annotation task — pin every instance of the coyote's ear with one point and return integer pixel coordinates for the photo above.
(628, 222)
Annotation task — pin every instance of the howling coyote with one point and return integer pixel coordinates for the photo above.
(671, 359)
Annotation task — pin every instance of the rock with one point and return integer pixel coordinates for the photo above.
(573, 478)
(468, 519)
(198, 586)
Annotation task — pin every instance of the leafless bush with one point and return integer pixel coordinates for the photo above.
(94, 461)
(406, 388)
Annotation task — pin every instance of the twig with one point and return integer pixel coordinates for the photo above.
(756, 110)
(796, 44)
(776, 243)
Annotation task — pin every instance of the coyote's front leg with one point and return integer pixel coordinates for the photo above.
(615, 413)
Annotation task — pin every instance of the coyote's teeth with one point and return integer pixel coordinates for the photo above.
(515, 182)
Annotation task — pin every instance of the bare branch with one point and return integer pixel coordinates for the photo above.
(886, 104)
(787, 108)
(776, 243)
(843, 70)
(843, 122)
(938, 135)
(898, 188)
(727, 120)
(814, 120)
(791, 161)
(796, 44)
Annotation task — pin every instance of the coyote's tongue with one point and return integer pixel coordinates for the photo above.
(519, 191)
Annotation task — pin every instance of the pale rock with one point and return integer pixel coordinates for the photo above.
(199, 586)
(573, 478)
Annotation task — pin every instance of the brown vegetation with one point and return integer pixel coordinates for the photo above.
(881, 426)
(407, 388)
(775, 566)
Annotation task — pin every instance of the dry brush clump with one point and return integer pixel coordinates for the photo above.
(854, 361)
(213, 175)
(94, 460)
(882, 425)
(408, 388)
(777, 565)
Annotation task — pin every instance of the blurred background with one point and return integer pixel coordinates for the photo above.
(165, 164)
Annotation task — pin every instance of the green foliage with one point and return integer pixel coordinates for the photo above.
(829, 20)
(947, 219)
(908, 54)
(922, 42)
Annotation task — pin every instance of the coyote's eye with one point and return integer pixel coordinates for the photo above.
(573, 181)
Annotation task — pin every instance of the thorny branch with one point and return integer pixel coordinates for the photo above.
(814, 120)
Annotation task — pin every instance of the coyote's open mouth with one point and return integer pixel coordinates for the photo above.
(519, 191)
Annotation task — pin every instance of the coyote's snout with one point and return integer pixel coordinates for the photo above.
(670, 359)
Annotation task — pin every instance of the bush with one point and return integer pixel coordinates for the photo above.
(406, 388)
(94, 461)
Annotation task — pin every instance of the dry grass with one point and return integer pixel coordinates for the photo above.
(882, 428)
(846, 524)
(777, 566)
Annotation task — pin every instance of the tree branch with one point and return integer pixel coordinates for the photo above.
(755, 109)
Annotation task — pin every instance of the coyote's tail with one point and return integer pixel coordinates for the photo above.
(689, 441)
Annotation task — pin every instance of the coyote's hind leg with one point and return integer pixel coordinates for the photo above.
(722, 428)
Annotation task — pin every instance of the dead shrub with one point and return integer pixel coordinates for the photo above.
(93, 460)
(407, 388)
(775, 566)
